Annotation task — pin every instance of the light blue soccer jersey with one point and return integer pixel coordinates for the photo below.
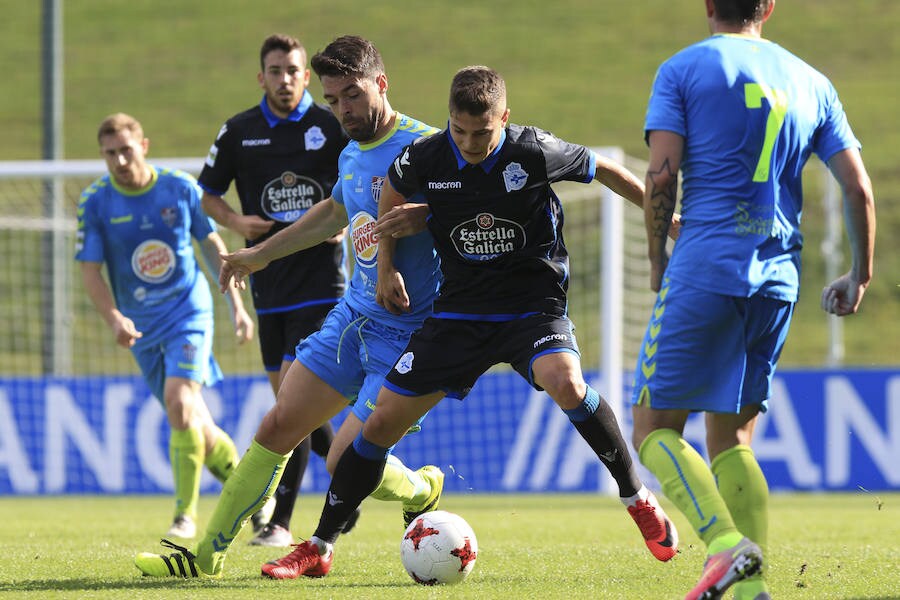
(144, 237)
(751, 113)
(361, 172)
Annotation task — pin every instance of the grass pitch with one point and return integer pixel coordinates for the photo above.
(530, 546)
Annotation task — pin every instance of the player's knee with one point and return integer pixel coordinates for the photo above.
(568, 394)
(277, 433)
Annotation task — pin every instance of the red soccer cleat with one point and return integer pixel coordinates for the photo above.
(304, 559)
(659, 532)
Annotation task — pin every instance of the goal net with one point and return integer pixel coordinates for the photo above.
(53, 329)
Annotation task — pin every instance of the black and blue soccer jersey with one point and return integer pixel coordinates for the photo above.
(497, 225)
(281, 167)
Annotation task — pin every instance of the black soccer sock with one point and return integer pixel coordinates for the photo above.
(357, 474)
(289, 487)
(321, 439)
(596, 422)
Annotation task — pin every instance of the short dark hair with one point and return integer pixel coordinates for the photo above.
(477, 90)
(279, 41)
(117, 122)
(741, 12)
(348, 55)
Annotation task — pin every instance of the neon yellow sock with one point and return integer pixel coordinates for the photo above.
(401, 484)
(743, 487)
(186, 456)
(689, 484)
(249, 487)
(223, 458)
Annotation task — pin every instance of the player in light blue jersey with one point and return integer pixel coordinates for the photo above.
(345, 362)
(139, 221)
(739, 116)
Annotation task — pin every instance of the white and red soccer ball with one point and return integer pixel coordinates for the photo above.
(438, 547)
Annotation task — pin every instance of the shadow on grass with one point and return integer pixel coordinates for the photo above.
(150, 583)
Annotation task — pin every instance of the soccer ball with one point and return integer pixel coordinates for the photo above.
(438, 547)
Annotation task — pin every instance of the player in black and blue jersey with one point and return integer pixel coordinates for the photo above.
(282, 156)
(497, 226)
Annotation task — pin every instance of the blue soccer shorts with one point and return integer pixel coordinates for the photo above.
(280, 331)
(185, 351)
(710, 352)
(352, 354)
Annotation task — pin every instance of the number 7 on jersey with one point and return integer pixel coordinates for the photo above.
(778, 102)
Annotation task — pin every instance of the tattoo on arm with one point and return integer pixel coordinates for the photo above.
(663, 194)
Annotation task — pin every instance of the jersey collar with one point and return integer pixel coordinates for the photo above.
(154, 177)
(295, 115)
(488, 163)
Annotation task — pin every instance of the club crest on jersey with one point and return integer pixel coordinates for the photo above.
(314, 138)
(362, 235)
(189, 352)
(377, 184)
(288, 197)
(153, 261)
(514, 177)
(486, 237)
(169, 216)
(405, 364)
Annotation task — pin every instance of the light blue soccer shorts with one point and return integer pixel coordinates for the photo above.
(710, 352)
(184, 351)
(352, 354)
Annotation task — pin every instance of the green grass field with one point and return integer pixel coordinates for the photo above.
(836, 546)
(580, 68)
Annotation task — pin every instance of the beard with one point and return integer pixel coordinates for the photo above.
(364, 130)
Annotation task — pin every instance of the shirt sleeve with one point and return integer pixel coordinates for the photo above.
(834, 134)
(665, 109)
(89, 236)
(201, 224)
(218, 169)
(402, 173)
(565, 161)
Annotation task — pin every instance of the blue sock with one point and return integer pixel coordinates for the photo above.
(586, 409)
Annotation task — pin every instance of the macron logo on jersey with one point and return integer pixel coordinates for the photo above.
(445, 185)
(256, 142)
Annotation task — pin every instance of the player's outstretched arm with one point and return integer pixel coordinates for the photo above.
(213, 247)
(322, 222)
(390, 290)
(842, 296)
(102, 299)
(250, 227)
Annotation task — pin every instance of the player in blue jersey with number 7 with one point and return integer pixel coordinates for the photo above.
(139, 220)
(739, 116)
